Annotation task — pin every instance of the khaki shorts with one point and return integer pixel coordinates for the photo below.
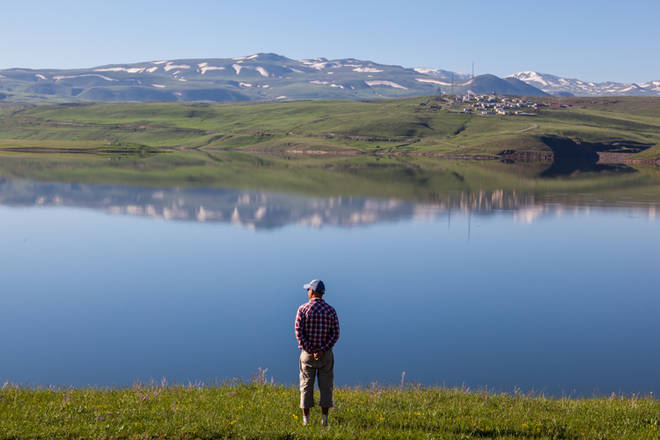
(309, 369)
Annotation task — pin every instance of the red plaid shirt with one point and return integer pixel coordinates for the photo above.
(317, 326)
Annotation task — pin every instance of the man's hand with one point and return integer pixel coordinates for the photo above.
(318, 356)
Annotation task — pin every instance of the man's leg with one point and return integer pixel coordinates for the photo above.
(326, 383)
(307, 373)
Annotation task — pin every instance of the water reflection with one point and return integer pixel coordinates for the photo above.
(267, 210)
(463, 276)
(459, 263)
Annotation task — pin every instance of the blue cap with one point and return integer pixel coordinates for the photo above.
(315, 285)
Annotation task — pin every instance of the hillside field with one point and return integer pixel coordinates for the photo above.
(417, 126)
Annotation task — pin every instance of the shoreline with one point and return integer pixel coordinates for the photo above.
(513, 156)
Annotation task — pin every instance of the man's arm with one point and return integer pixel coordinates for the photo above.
(334, 333)
(300, 330)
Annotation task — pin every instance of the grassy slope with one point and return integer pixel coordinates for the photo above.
(270, 412)
(382, 126)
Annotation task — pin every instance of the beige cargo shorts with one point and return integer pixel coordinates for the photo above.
(309, 369)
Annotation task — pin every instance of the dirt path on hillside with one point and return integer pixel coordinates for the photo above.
(532, 127)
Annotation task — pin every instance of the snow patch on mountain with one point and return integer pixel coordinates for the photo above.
(122, 69)
(318, 63)
(385, 83)
(249, 57)
(204, 67)
(529, 76)
(367, 70)
(262, 71)
(169, 66)
(432, 81)
(237, 68)
(425, 70)
(57, 78)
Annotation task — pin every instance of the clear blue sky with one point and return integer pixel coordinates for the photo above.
(592, 40)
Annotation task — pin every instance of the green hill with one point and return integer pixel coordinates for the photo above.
(564, 127)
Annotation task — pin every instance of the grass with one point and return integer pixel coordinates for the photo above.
(396, 126)
(265, 411)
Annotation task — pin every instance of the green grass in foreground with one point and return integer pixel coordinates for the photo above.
(261, 411)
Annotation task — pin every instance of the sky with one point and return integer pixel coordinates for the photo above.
(590, 40)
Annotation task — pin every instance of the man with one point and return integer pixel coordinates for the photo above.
(317, 331)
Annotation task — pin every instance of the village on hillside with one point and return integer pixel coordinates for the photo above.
(493, 105)
(485, 105)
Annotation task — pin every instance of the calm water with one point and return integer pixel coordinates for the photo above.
(105, 285)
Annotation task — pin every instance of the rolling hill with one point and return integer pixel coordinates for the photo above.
(574, 128)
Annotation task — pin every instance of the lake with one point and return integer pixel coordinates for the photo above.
(550, 287)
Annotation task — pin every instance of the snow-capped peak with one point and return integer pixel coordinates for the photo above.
(425, 70)
(556, 85)
(529, 76)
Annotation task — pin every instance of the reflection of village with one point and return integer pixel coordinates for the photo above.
(262, 210)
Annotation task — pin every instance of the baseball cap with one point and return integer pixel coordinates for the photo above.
(315, 285)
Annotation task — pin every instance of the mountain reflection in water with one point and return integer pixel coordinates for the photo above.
(265, 210)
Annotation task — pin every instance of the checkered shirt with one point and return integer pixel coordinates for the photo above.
(317, 326)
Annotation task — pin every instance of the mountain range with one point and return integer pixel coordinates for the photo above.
(558, 86)
(268, 76)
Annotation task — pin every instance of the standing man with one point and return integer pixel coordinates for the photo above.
(317, 331)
